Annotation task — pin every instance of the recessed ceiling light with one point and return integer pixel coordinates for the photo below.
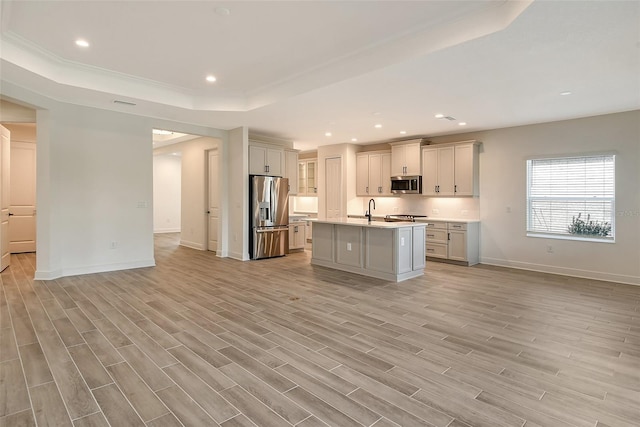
(462, 124)
(565, 93)
(403, 132)
(376, 113)
(327, 134)
(211, 78)
(354, 139)
(82, 43)
(222, 11)
(439, 116)
(378, 126)
(162, 132)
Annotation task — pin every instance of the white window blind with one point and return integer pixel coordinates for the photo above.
(561, 189)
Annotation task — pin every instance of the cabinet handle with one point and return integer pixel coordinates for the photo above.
(430, 250)
(431, 235)
(295, 229)
(456, 226)
(379, 189)
(455, 188)
(448, 236)
(315, 189)
(367, 190)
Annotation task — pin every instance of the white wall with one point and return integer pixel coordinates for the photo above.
(503, 185)
(167, 170)
(238, 188)
(94, 189)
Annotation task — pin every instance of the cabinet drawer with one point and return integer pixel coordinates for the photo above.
(436, 235)
(457, 226)
(437, 225)
(435, 250)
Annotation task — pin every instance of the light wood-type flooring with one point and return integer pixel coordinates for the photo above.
(204, 341)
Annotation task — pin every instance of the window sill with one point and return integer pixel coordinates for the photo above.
(571, 237)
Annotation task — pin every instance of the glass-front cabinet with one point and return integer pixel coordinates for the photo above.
(308, 177)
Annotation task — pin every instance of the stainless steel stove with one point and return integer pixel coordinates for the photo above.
(402, 218)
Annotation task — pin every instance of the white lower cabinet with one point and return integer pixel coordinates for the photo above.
(297, 235)
(456, 241)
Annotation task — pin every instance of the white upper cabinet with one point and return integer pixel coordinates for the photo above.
(466, 170)
(450, 170)
(265, 159)
(438, 171)
(308, 177)
(373, 174)
(405, 158)
(291, 170)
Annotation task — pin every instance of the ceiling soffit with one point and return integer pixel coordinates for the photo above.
(461, 25)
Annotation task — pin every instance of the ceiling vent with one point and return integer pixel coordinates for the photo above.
(117, 101)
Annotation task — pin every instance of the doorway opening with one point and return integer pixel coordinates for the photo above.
(186, 188)
(21, 197)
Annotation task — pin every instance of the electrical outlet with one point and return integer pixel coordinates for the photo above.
(464, 212)
(348, 246)
(508, 209)
(113, 245)
(549, 249)
(402, 241)
(395, 209)
(435, 211)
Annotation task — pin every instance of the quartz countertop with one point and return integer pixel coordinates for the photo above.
(365, 223)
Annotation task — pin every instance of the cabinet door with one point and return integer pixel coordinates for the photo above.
(465, 163)
(375, 171)
(291, 171)
(385, 174)
(362, 175)
(312, 176)
(430, 172)
(296, 235)
(445, 171)
(397, 160)
(457, 245)
(412, 159)
(302, 178)
(275, 162)
(257, 160)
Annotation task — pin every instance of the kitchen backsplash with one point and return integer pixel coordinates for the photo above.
(433, 207)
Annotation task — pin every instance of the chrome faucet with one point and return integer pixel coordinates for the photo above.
(368, 214)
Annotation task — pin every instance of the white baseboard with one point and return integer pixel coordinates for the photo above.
(166, 230)
(239, 256)
(563, 271)
(192, 245)
(90, 269)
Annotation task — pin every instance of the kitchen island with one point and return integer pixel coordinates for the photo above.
(385, 250)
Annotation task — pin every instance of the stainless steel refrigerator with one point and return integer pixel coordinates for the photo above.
(269, 216)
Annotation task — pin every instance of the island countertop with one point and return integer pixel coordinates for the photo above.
(365, 223)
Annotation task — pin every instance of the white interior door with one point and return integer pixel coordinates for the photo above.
(333, 187)
(5, 153)
(213, 203)
(22, 208)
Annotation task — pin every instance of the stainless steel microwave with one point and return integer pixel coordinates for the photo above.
(406, 184)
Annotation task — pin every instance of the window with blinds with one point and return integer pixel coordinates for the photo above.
(572, 197)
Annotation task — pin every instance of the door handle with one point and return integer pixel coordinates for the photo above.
(10, 214)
